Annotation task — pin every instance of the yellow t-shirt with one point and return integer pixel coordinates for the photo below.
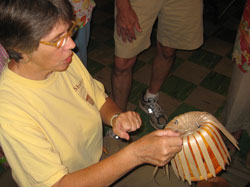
(48, 128)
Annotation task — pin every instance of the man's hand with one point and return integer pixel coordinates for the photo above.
(126, 21)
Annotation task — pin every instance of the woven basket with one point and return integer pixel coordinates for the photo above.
(204, 153)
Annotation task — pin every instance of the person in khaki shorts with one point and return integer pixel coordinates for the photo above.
(180, 26)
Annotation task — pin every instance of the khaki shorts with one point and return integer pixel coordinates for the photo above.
(180, 25)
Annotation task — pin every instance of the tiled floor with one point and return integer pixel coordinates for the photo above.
(198, 80)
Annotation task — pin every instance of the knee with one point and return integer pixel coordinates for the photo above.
(166, 52)
(122, 65)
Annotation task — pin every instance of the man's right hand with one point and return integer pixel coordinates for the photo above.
(126, 21)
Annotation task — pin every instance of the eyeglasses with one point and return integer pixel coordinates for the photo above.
(60, 42)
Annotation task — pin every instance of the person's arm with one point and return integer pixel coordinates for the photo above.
(126, 21)
(156, 148)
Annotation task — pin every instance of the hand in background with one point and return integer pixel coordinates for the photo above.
(126, 21)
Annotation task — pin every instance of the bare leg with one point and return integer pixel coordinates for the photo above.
(161, 66)
(121, 80)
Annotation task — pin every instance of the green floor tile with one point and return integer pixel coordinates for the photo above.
(94, 67)
(219, 112)
(136, 92)
(205, 58)
(101, 34)
(183, 108)
(146, 126)
(109, 23)
(216, 82)
(105, 129)
(111, 65)
(110, 43)
(2, 170)
(138, 65)
(244, 144)
(107, 6)
(154, 35)
(177, 87)
(178, 61)
(108, 92)
(229, 55)
(92, 45)
(226, 34)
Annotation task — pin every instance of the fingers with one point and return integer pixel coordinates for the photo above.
(166, 132)
(131, 33)
(126, 23)
(126, 34)
(158, 147)
(123, 135)
(126, 122)
(170, 138)
(138, 27)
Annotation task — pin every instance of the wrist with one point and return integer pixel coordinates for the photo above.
(112, 119)
(133, 152)
(123, 4)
